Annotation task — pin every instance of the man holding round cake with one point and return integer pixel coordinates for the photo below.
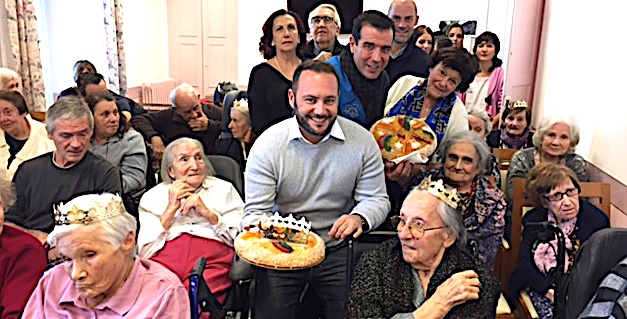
(322, 167)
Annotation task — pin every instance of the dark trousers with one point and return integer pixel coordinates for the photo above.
(278, 293)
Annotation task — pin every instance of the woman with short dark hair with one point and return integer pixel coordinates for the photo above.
(118, 143)
(486, 90)
(21, 137)
(432, 99)
(555, 190)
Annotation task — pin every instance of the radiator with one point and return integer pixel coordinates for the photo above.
(158, 92)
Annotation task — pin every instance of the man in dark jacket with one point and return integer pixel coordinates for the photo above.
(405, 57)
(324, 26)
(187, 117)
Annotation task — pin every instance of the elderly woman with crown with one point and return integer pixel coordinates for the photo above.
(425, 272)
(515, 131)
(192, 214)
(101, 277)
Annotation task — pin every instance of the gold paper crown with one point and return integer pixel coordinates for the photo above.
(437, 189)
(87, 209)
(518, 105)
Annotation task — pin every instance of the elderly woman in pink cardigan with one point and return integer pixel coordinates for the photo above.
(486, 90)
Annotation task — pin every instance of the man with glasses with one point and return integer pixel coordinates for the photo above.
(405, 57)
(324, 26)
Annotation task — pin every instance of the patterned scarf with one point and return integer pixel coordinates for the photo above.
(411, 104)
(371, 93)
(545, 254)
(514, 142)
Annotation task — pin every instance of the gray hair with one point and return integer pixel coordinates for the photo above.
(68, 108)
(449, 215)
(336, 15)
(7, 192)
(183, 89)
(168, 158)
(483, 151)
(547, 123)
(243, 110)
(7, 75)
(483, 115)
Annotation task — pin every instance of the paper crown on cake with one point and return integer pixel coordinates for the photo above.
(518, 104)
(277, 220)
(87, 209)
(439, 190)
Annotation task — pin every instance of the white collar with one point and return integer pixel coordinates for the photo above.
(295, 133)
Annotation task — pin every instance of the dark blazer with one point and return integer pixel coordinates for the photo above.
(169, 125)
(308, 50)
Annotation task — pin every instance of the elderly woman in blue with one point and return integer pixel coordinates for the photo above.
(432, 99)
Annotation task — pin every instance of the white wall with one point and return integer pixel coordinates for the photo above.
(252, 14)
(72, 30)
(67, 37)
(145, 41)
(582, 74)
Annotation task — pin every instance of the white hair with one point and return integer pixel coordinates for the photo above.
(547, 123)
(7, 75)
(183, 89)
(115, 229)
(168, 158)
(336, 15)
(483, 115)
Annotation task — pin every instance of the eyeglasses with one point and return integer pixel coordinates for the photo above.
(556, 197)
(415, 229)
(327, 20)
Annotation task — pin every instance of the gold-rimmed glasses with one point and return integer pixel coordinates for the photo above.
(416, 229)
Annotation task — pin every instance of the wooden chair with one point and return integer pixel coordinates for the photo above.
(503, 156)
(38, 116)
(597, 193)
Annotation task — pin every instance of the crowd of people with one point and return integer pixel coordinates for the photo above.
(87, 230)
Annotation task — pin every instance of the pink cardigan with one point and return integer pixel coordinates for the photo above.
(495, 88)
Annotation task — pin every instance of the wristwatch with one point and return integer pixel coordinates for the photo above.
(364, 223)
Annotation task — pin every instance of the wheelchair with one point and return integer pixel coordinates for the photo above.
(202, 299)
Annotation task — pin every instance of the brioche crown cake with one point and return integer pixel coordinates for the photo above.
(280, 242)
(402, 135)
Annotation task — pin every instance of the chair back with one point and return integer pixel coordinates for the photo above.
(594, 260)
(228, 169)
(38, 116)
(598, 193)
(503, 156)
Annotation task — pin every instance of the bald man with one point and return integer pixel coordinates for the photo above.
(187, 117)
(405, 57)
